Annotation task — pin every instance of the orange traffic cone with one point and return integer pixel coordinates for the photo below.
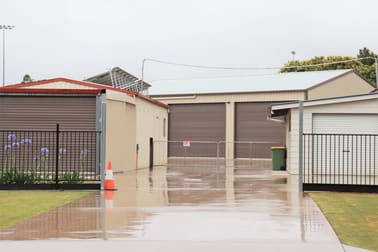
(109, 178)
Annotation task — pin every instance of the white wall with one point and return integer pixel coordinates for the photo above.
(150, 123)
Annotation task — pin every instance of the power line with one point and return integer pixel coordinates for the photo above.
(249, 68)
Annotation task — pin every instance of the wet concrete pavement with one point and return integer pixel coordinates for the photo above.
(241, 207)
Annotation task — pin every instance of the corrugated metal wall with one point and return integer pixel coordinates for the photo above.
(44, 112)
(251, 124)
(197, 122)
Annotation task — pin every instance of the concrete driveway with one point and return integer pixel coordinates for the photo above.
(185, 207)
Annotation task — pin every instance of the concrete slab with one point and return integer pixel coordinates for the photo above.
(185, 207)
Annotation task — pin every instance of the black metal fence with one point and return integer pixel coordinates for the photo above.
(49, 159)
(345, 162)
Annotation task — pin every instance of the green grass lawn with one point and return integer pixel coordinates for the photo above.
(353, 216)
(16, 206)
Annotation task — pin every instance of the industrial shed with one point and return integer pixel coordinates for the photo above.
(132, 121)
(233, 111)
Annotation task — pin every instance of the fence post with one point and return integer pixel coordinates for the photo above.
(218, 163)
(57, 158)
(300, 148)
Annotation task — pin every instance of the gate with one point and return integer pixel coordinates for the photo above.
(195, 153)
(206, 153)
(340, 162)
(50, 159)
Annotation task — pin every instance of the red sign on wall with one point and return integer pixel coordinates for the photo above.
(186, 143)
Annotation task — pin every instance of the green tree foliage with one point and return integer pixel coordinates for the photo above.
(366, 53)
(365, 67)
(27, 78)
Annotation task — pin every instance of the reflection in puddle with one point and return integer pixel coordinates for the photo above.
(238, 202)
(280, 181)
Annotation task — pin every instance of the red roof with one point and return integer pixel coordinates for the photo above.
(52, 91)
(83, 83)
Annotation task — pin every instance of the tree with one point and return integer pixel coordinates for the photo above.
(365, 67)
(27, 78)
(365, 53)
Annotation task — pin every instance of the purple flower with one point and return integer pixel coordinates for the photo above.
(11, 137)
(62, 150)
(44, 151)
(16, 145)
(26, 141)
(7, 147)
(84, 151)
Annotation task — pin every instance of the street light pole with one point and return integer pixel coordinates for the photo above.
(5, 27)
(141, 82)
(293, 53)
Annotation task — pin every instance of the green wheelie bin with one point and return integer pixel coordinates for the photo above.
(278, 158)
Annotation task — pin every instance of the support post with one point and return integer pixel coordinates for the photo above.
(57, 158)
(300, 148)
(102, 128)
(218, 163)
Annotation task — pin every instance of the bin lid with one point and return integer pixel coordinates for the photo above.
(278, 147)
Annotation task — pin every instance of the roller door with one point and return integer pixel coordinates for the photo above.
(43, 113)
(196, 122)
(251, 124)
(344, 144)
(345, 124)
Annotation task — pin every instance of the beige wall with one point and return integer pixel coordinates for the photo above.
(150, 123)
(356, 107)
(120, 135)
(349, 84)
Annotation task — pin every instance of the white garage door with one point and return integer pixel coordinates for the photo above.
(345, 124)
(345, 144)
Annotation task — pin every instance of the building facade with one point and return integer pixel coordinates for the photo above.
(233, 111)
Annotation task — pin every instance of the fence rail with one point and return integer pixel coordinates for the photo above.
(340, 159)
(210, 153)
(40, 158)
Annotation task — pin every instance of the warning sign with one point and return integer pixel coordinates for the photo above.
(186, 143)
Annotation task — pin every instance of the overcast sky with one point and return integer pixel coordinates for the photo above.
(81, 38)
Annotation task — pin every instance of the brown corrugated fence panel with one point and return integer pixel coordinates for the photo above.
(43, 113)
(251, 124)
(196, 122)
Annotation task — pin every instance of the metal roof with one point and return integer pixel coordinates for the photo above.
(255, 83)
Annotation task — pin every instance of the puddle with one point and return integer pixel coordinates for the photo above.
(280, 181)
